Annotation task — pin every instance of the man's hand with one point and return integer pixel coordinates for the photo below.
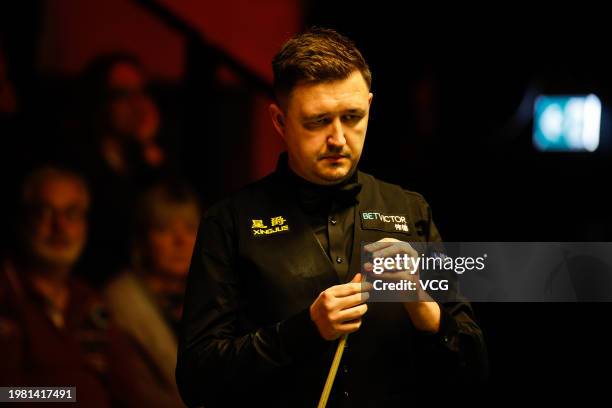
(424, 313)
(338, 310)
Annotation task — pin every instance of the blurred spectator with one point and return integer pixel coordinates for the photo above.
(119, 150)
(121, 115)
(54, 330)
(148, 299)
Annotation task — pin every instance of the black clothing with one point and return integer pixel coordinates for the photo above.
(262, 258)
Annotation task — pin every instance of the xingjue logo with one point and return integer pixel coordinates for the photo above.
(263, 227)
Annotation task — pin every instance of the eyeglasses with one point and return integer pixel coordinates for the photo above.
(73, 213)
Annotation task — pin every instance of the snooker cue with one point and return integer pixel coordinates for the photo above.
(331, 376)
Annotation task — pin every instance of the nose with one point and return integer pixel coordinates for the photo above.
(336, 137)
(180, 238)
(60, 222)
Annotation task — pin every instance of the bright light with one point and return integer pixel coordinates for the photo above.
(567, 123)
(591, 123)
(551, 122)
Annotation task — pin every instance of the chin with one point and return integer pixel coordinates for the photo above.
(177, 272)
(56, 256)
(335, 173)
(333, 178)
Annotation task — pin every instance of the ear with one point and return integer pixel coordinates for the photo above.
(278, 119)
(370, 96)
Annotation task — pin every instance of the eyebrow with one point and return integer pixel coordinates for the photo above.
(312, 118)
(355, 111)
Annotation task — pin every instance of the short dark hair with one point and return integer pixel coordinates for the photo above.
(43, 174)
(317, 55)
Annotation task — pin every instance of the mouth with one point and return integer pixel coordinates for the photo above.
(334, 157)
(58, 243)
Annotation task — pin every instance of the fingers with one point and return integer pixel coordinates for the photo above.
(338, 310)
(378, 245)
(387, 247)
(348, 289)
(394, 249)
(331, 303)
(349, 327)
(350, 301)
(398, 276)
(357, 278)
(353, 313)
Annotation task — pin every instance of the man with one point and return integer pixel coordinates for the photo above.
(54, 329)
(267, 294)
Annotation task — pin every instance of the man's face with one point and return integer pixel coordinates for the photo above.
(57, 224)
(324, 126)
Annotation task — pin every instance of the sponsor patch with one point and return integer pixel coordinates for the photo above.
(268, 226)
(384, 222)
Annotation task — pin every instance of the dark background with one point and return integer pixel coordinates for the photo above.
(451, 119)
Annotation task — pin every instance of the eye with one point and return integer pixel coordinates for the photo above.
(44, 212)
(75, 213)
(161, 227)
(351, 118)
(317, 123)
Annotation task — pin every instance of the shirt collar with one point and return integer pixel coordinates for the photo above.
(314, 197)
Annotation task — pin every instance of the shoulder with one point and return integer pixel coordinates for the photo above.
(396, 199)
(391, 191)
(222, 224)
(250, 194)
(123, 286)
(260, 199)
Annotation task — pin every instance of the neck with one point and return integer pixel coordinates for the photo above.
(59, 274)
(163, 282)
(320, 182)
